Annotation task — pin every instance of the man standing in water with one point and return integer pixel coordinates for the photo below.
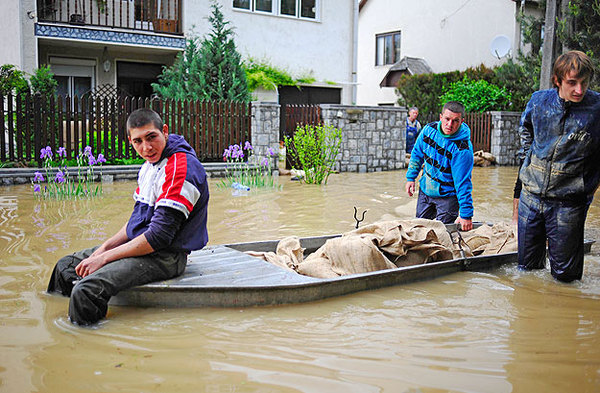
(560, 139)
(413, 127)
(445, 152)
(167, 223)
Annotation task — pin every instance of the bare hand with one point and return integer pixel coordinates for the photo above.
(410, 188)
(466, 224)
(89, 265)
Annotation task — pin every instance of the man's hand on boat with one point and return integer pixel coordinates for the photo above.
(90, 265)
(410, 188)
(464, 224)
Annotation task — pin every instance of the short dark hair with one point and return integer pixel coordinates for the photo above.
(144, 116)
(455, 106)
(572, 61)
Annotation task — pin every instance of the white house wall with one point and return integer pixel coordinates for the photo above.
(449, 34)
(321, 48)
(16, 34)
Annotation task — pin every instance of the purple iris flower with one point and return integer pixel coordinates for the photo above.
(46, 152)
(91, 160)
(100, 158)
(227, 153)
(62, 152)
(248, 146)
(37, 188)
(37, 176)
(271, 152)
(60, 177)
(265, 162)
(87, 151)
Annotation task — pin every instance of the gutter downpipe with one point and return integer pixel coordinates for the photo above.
(354, 51)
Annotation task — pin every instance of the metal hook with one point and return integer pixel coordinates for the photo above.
(356, 218)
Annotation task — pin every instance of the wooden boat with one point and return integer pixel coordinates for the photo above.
(224, 276)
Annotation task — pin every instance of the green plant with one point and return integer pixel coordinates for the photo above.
(315, 147)
(578, 29)
(63, 185)
(12, 80)
(262, 74)
(43, 82)
(211, 70)
(476, 96)
(240, 174)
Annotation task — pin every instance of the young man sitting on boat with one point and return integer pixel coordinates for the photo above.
(167, 223)
(444, 151)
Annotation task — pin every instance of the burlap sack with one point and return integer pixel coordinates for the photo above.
(389, 244)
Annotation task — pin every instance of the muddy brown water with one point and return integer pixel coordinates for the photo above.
(498, 331)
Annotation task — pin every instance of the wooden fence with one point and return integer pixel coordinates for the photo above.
(298, 115)
(479, 123)
(33, 122)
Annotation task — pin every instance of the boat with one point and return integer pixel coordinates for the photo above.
(225, 276)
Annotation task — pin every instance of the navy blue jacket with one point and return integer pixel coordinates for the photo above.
(172, 189)
(561, 146)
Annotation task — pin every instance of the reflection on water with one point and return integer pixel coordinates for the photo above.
(500, 331)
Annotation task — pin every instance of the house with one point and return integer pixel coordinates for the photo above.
(120, 46)
(412, 37)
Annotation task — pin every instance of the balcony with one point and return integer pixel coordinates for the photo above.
(156, 16)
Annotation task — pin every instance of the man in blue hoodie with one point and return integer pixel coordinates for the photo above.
(167, 223)
(560, 139)
(444, 151)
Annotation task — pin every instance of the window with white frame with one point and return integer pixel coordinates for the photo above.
(387, 48)
(294, 8)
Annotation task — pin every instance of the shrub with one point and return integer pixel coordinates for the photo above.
(315, 148)
(476, 96)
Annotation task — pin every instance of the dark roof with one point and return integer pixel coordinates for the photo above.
(406, 65)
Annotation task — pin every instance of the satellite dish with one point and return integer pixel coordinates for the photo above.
(500, 46)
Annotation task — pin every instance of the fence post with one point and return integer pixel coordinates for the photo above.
(3, 130)
(37, 128)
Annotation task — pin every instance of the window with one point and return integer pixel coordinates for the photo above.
(296, 8)
(387, 48)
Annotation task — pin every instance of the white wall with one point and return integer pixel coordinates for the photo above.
(449, 34)
(10, 33)
(321, 48)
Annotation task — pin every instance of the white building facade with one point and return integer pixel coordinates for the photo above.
(448, 35)
(125, 43)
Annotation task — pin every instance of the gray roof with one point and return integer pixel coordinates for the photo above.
(406, 65)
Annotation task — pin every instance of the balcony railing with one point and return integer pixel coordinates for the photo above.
(160, 16)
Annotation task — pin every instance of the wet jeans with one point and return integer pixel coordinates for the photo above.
(90, 295)
(442, 209)
(559, 222)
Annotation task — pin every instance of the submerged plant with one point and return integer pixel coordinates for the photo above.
(61, 185)
(244, 170)
(314, 149)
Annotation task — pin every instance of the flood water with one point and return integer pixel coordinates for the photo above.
(498, 331)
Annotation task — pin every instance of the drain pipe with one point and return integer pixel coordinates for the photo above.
(355, 10)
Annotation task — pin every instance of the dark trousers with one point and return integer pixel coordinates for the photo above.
(559, 222)
(442, 209)
(90, 295)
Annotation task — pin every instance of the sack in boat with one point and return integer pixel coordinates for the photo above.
(386, 245)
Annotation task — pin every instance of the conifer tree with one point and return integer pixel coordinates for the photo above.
(210, 71)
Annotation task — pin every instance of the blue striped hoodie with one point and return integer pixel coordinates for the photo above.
(447, 163)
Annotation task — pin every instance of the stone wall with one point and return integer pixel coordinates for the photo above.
(265, 128)
(373, 138)
(505, 137)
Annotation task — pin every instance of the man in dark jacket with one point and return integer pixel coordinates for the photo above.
(167, 223)
(560, 138)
